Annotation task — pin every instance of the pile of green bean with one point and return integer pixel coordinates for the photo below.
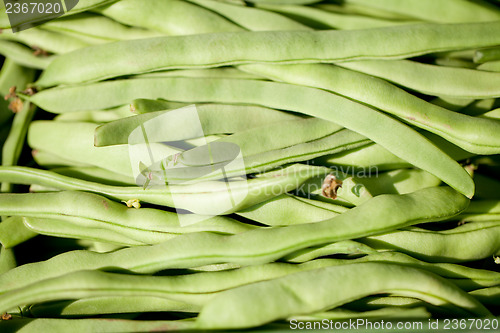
(359, 142)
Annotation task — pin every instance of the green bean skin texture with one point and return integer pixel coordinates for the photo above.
(13, 74)
(230, 48)
(204, 194)
(198, 287)
(470, 133)
(13, 232)
(253, 19)
(489, 54)
(102, 325)
(108, 305)
(492, 66)
(378, 215)
(406, 143)
(445, 11)
(170, 17)
(431, 79)
(472, 241)
(7, 259)
(46, 40)
(98, 28)
(214, 119)
(145, 225)
(307, 292)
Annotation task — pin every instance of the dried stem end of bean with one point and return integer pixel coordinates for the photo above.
(132, 108)
(330, 186)
(497, 260)
(133, 203)
(12, 93)
(6, 316)
(37, 51)
(30, 91)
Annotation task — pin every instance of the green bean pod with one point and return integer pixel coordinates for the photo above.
(469, 242)
(199, 198)
(452, 126)
(312, 291)
(491, 66)
(401, 140)
(431, 79)
(489, 54)
(445, 11)
(231, 48)
(145, 224)
(7, 259)
(378, 215)
(23, 55)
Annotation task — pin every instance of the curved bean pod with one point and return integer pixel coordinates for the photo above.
(218, 72)
(492, 66)
(108, 305)
(378, 215)
(46, 40)
(311, 291)
(88, 208)
(23, 55)
(318, 18)
(481, 210)
(199, 198)
(170, 17)
(13, 74)
(431, 79)
(214, 119)
(472, 241)
(452, 126)
(96, 175)
(80, 6)
(401, 140)
(490, 296)
(445, 11)
(13, 232)
(230, 48)
(49, 161)
(13, 145)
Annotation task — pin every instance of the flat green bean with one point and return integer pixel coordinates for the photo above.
(14, 144)
(218, 72)
(401, 140)
(469, 242)
(146, 225)
(97, 116)
(350, 8)
(489, 54)
(198, 198)
(80, 6)
(230, 48)
(445, 11)
(107, 305)
(431, 79)
(488, 296)
(23, 55)
(170, 17)
(378, 215)
(481, 210)
(45, 40)
(13, 74)
(465, 277)
(307, 292)
(214, 119)
(7, 259)
(452, 126)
